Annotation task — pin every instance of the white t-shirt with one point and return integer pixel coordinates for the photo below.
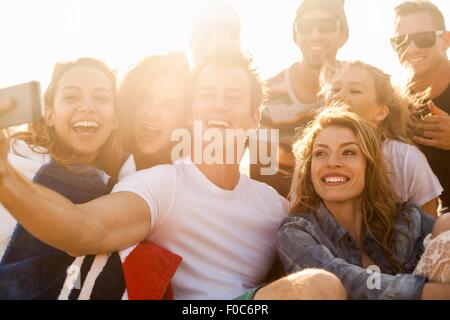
(226, 238)
(411, 175)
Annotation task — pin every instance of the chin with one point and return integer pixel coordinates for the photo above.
(420, 71)
(336, 196)
(81, 153)
(315, 62)
(150, 149)
(336, 199)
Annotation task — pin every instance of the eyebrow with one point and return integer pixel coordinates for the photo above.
(212, 88)
(95, 89)
(234, 90)
(352, 82)
(342, 145)
(206, 88)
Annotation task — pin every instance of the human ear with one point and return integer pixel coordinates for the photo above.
(382, 114)
(255, 119)
(115, 124)
(446, 40)
(49, 116)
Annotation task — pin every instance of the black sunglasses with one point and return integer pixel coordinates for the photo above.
(324, 25)
(422, 40)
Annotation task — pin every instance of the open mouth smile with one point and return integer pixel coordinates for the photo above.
(86, 127)
(219, 124)
(334, 180)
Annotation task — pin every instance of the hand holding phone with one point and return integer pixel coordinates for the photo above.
(20, 104)
(6, 104)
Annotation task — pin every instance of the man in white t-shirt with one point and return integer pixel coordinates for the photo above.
(220, 222)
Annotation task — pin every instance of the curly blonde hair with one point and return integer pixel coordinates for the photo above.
(378, 198)
(401, 123)
(43, 139)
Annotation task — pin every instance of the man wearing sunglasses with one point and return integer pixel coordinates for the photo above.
(421, 43)
(320, 29)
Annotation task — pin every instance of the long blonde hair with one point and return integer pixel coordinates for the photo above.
(110, 156)
(378, 198)
(400, 124)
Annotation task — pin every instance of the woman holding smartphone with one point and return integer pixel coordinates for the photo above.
(74, 150)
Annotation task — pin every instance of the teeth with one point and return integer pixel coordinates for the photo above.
(218, 123)
(87, 124)
(150, 127)
(335, 179)
(417, 60)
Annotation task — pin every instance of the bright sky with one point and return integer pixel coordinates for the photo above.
(37, 34)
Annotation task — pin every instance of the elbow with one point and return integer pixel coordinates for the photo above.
(80, 250)
(76, 254)
(86, 243)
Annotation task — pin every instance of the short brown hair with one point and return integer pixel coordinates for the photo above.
(418, 6)
(235, 58)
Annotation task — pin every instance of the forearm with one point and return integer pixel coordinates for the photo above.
(436, 291)
(44, 213)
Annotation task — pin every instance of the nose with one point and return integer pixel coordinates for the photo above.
(149, 110)
(87, 106)
(333, 160)
(220, 104)
(152, 111)
(315, 33)
(340, 96)
(411, 49)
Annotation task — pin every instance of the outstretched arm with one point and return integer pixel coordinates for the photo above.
(110, 223)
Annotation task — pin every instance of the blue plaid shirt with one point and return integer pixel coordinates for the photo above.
(316, 240)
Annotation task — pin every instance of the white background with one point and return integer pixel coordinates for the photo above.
(37, 34)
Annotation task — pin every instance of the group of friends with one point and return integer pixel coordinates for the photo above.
(96, 206)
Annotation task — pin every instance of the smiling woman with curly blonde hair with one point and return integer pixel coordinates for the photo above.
(370, 93)
(346, 217)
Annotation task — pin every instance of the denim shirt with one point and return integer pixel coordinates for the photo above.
(316, 240)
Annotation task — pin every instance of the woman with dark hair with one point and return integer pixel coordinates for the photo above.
(347, 219)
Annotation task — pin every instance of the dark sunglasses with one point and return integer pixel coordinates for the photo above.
(324, 25)
(422, 40)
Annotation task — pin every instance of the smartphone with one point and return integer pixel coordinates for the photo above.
(27, 104)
